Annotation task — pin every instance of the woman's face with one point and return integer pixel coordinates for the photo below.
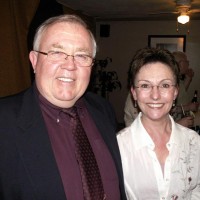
(155, 102)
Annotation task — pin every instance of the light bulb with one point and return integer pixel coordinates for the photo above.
(183, 19)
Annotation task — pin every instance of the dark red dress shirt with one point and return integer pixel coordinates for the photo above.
(59, 130)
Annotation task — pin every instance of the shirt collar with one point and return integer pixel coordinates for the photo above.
(53, 110)
(176, 133)
(143, 138)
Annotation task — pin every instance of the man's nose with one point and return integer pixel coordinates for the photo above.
(68, 63)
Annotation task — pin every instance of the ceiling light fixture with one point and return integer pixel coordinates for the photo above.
(183, 19)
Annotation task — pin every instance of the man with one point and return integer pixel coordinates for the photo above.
(184, 104)
(38, 155)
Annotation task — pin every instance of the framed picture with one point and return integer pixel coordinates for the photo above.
(170, 42)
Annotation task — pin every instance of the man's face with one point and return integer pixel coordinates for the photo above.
(62, 82)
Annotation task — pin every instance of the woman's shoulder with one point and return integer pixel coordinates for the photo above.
(188, 135)
(124, 135)
(124, 132)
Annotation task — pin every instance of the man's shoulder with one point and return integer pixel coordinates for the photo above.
(11, 99)
(13, 102)
(99, 105)
(97, 101)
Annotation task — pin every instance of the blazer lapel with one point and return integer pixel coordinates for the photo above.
(107, 132)
(35, 151)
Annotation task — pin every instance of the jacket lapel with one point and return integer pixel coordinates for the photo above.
(35, 150)
(107, 131)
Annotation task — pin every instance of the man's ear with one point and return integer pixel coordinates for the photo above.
(33, 58)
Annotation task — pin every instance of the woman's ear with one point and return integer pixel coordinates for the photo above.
(133, 92)
(176, 92)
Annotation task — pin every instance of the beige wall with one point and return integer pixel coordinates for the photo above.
(128, 36)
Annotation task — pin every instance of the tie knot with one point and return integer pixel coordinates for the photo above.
(72, 112)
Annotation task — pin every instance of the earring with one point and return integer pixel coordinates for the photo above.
(135, 104)
(174, 104)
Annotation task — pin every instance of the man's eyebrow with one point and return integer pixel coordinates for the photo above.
(83, 50)
(58, 46)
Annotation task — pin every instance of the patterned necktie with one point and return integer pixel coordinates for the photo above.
(90, 175)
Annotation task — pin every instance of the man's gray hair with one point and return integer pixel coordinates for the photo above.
(59, 19)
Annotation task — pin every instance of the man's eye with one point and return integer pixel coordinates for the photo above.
(57, 53)
(81, 56)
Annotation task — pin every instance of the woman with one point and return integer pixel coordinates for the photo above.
(161, 159)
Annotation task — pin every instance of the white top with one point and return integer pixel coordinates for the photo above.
(143, 175)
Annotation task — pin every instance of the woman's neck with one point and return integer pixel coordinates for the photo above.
(157, 129)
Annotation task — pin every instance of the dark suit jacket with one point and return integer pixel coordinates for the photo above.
(28, 169)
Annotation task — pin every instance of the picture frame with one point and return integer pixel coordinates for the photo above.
(170, 42)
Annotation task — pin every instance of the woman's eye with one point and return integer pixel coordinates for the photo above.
(145, 86)
(165, 85)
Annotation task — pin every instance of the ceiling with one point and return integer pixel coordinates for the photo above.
(130, 9)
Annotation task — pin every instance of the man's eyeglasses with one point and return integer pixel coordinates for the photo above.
(147, 87)
(81, 60)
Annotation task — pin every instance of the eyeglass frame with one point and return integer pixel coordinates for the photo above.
(67, 55)
(152, 86)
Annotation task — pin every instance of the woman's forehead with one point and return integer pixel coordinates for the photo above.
(155, 70)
